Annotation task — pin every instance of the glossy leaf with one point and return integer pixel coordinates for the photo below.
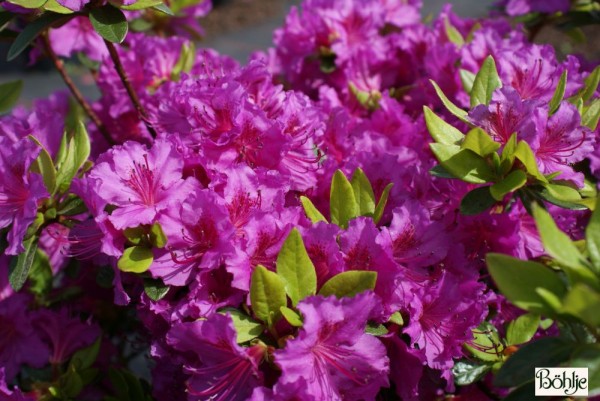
(296, 269)
(468, 372)
(477, 201)
(155, 289)
(136, 259)
(485, 83)
(440, 130)
(363, 193)
(109, 22)
(267, 295)
(349, 283)
(311, 210)
(9, 95)
(31, 31)
(343, 205)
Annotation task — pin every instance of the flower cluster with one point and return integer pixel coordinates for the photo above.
(287, 229)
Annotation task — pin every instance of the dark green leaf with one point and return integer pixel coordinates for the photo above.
(9, 94)
(468, 372)
(519, 279)
(477, 201)
(343, 205)
(31, 31)
(155, 289)
(440, 130)
(588, 356)
(136, 259)
(85, 357)
(520, 367)
(71, 206)
(5, 18)
(485, 83)
(525, 392)
(109, 22)
(349, 283)
(40, 274)
(267, 295)
(559, 93)
(582, 302)
(592, 237)
(522, 329)
(296, 269)
(515, 180)
(441, 172)
(21, 264)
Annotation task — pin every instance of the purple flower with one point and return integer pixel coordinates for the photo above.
(77, 35)
(520, 7)
(142, 183)
(332, 353)
(19, 341)
(20, 191)
(11, 395)
(220, 369)
(73, 5)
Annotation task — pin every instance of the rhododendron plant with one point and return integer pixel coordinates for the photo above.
(376, 208)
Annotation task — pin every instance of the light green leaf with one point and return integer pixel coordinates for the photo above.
(380, 208)
(292, 317)
(141, 4)
(157, 236)
(44, 166)
(591, 84)
(267, 295)
(452, 108)
(20, 265)
(54, 6)
(163, 8)
(522, 329)
(40, 274)
(343, 205)
(480, 142)
(109, 22)
(477, 201)
(519, 279)
(592, 237)
(311, 211)
(296, 269)
(486, 344)
(136, 259)
(515, 180)
(591, 115)
(9, 95)
(467, 78)
(74, 155)
(349, 283)
(247, 329)
(363, 193)
(187, 56)
(32, 30)
(583, 302)
(524, 153)
(376, 330)
(486, 82)
(155, 289)
(28, 3)
(440, 130)
(453, 34)
(463, 163)
(559, 93)
(396, 318)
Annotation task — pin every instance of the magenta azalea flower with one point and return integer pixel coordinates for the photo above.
(11, 395)
(142, 183)
(220, 369)
(77, 35)
(332, 353)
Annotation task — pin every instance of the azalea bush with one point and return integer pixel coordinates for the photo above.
(375, 208)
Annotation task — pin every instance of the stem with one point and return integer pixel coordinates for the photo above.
(130, 91)
(60, 67)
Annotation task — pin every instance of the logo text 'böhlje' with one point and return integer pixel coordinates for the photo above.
(561, 381)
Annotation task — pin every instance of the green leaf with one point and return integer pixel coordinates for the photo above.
(467, 78)
(54, 6)
(583, 302)
(247, 329)
(343, 205)
(453, 34)
(9, 95)
(559, 93)
(141, 4)
(515, 180)
(20, 265)
(5, 18)
(591, 115)
(477, 201)
(376, 329)
(349, 283)
(296, 269)
(73, 157)
(463, 163)
(486, 344)
(136, 259)
(592, 237)
(560, 247)
(28, 3)
(44, 166)
(486, 82)
(440, 130)
(452, 108)
(163, 8)
(524, 153)
(380, 208)
(155, 289)
(311, 211)
(441, 172)
(157, 236)
(267, 295)
(468, 372)
(545, 352)
(85, 357)
(32, 30)
(588, 356)
(187, 56)
(525, 392)
(591, 84)
(548, 191)
(363, 193)
(40, 274)
(292, 317)
(109, 22)
(480, 142)
(519, 279)
(396, 318)
(522, 329)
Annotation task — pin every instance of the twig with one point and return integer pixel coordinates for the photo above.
(60, 67)
(130, 91)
